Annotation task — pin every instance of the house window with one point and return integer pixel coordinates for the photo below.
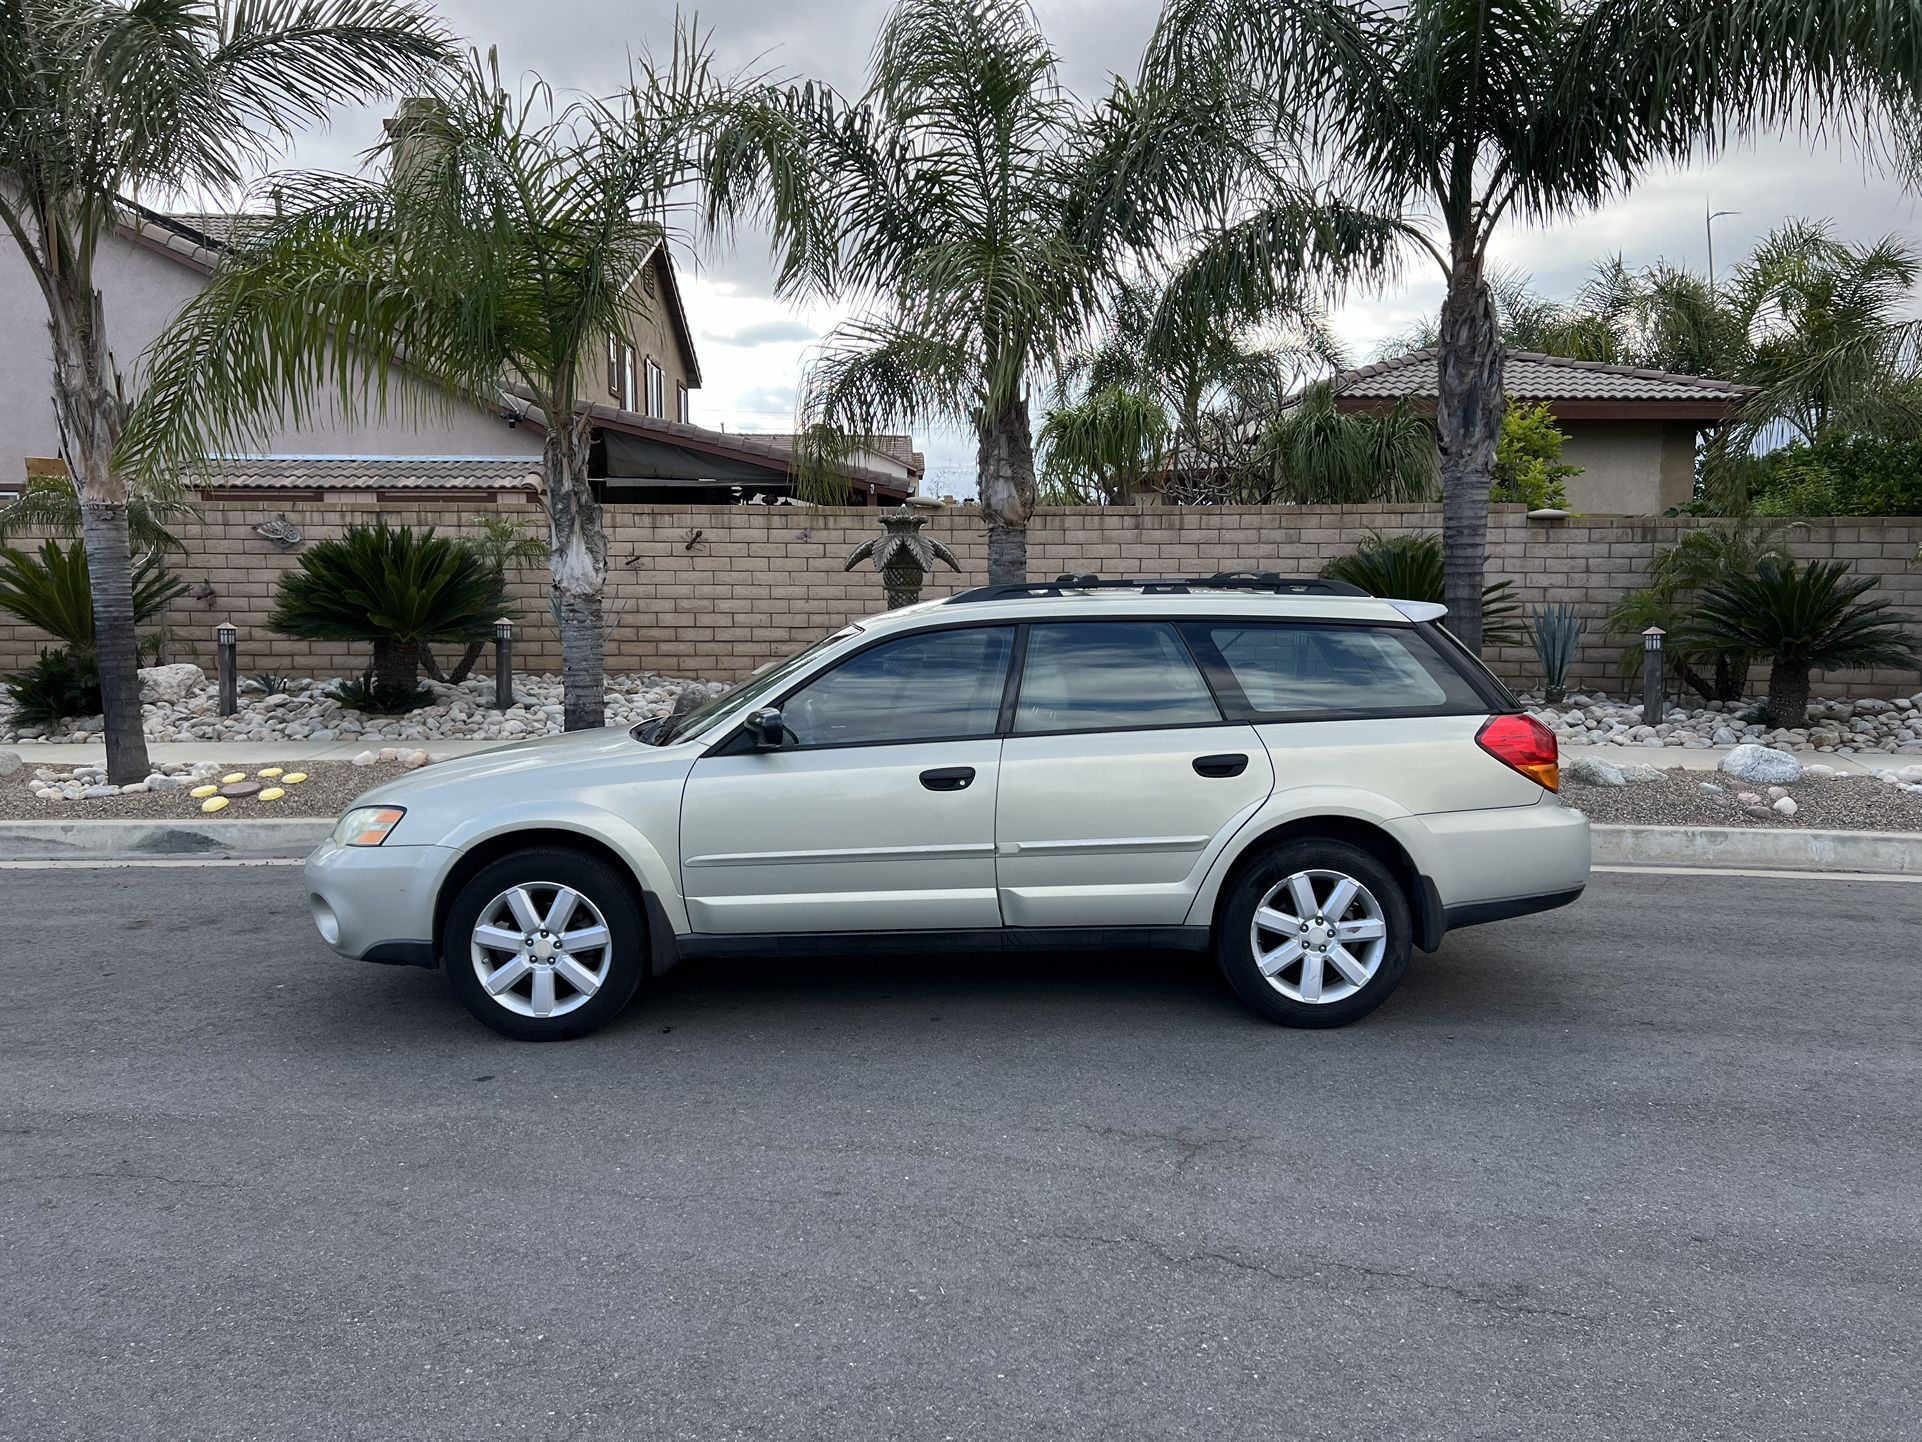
(656, 398)
(613, 365)
(620, 372)
(680, 403)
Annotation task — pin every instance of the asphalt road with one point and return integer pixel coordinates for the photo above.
(1644, 1168)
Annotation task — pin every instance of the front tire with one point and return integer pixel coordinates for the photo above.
(545, 944)
(1315, 933)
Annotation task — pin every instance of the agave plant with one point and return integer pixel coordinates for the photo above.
(1804, 618)
(395, 587)
(1557, 632)
(903, 556)
(53, 592)
(1409, 568)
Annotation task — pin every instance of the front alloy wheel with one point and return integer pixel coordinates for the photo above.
(545, 944)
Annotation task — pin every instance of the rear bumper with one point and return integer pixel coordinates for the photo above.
(1479, 866)
(376, 903)
(1474, 913)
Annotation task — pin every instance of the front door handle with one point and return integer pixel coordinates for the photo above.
(952, 778)
(1231, 763)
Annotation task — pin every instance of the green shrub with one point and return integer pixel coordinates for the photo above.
(1529, 469)
(1409, 568)
(376, 697)
(51, 590)
(1839, 476)
(60, 684)
(1803, 618)
(394, 587)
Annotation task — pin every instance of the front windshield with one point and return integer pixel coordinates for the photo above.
(768, 679)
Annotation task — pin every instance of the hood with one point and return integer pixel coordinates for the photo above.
(608, 743)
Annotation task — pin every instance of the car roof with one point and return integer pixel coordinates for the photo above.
(1115, 602)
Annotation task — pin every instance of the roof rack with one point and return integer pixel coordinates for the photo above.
(1066, 585)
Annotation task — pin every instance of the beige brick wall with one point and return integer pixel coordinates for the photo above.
(718, 590)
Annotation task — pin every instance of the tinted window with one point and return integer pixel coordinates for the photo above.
(1097, 675)
(1285, 670)
(940, 683)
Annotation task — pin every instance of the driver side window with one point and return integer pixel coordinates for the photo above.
(939, 684)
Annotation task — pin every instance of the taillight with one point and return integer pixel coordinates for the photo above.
(1525, 744)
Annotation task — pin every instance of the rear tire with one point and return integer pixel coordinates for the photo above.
(1314, 933)
(545, 944)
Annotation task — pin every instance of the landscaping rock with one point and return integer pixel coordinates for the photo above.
(162, 684)
(1785, 806)
(1762, 764)
(1639, 774)
(1591, 772)
(10, 762)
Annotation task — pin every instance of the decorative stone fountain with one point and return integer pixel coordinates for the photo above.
(903, 556)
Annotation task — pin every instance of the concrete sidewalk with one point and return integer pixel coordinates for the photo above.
(242, 753)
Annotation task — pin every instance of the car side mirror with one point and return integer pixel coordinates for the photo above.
(766, 728)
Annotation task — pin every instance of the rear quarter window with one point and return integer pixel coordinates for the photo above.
(1284, 670)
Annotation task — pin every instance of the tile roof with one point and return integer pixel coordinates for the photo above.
(1531, 376)
(894, 447)
(374, 473)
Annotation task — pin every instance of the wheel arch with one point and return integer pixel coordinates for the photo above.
(662, 949)
(1424, 901)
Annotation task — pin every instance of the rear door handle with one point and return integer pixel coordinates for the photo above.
(1231, 763)
(956, 778)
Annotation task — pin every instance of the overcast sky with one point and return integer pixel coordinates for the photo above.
(752, 347)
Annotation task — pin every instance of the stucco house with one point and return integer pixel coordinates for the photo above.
(1635, 433)
(647, 446)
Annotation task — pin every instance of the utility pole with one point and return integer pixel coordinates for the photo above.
(1708, 228)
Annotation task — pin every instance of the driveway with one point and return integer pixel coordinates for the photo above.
(1642, 1168)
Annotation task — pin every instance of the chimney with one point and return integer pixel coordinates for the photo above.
(410, 135)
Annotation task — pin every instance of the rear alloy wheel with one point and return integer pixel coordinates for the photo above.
(1316, 933)
(544, 945)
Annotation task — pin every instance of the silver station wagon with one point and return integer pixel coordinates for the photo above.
(1304, 780)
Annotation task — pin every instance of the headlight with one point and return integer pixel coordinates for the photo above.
(367, 825)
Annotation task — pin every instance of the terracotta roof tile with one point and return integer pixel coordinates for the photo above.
(373, 473)
(1531, 376)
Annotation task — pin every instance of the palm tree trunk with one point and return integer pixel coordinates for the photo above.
(397, 667)
(92, 412)
(1004, 466)
(1788, 698)
(577, 552)
(1468, 422)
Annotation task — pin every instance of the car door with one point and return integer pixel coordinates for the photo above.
(877, 811)
(1120, 781)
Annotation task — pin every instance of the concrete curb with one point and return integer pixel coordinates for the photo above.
(123, 840)
(1895, 853)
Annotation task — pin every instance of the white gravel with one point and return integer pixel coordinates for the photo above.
(307, 712)
(1841, 728)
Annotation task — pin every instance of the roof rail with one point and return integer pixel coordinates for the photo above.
(1067, 585)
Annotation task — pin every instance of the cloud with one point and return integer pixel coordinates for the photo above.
(765, 332)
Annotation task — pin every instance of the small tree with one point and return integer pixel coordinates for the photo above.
(395, 587)
(1804, 619)
(1529, 469)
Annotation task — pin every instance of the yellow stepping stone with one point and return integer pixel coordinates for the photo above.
(292, 778)
(217, 803)
(268, 773)
(232, 776)
(201, 793)
(272, 793)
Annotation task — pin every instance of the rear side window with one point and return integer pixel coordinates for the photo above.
(1297, 670)
(1104, 675)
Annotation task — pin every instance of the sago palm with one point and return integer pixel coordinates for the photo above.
(1803, 618)
(499, 255)
(105, 98)
(1423, 127)
(971, 211)
(394, 587)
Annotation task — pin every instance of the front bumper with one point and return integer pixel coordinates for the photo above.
(376, 903)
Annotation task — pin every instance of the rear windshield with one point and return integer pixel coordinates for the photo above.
(1288, 670)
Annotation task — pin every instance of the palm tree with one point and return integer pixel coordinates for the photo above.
(104, 99)
(970, 210)
(498, 256)
(1460, 114)
(1804, 619)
